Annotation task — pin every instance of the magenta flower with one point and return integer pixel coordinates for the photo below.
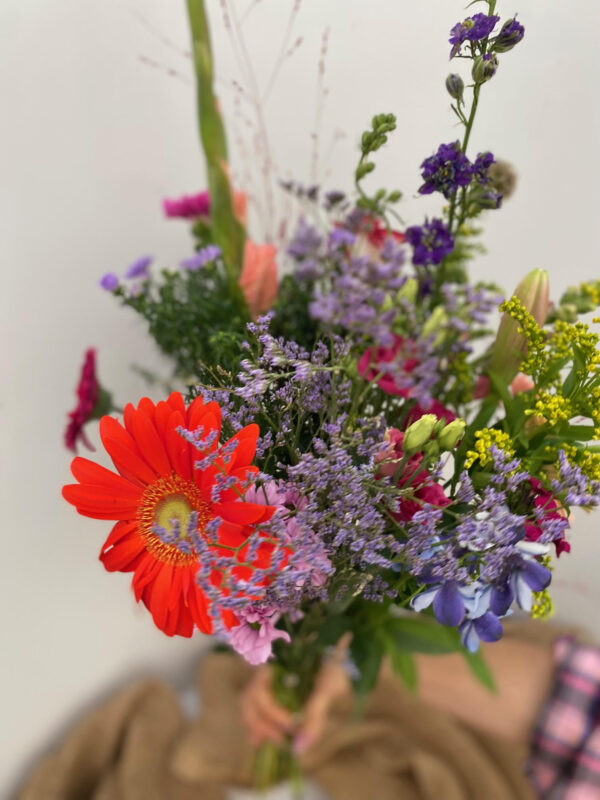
(189, 206)
(88, 392)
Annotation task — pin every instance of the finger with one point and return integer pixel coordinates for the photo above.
(276, 714)
(259, 728)
(313, 723)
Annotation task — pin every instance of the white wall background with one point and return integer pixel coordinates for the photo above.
(91, 139)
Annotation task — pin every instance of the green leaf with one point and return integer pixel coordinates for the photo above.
(480, 670)
(332, 630)
(422, 635)
(404, 666)
(228, 232)
(367, 654)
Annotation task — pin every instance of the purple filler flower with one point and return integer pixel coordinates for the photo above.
(110, 281)
(431, 242)
(139, 268)
(254, 636)
(472, 29)
(207, 254)
(446, 171)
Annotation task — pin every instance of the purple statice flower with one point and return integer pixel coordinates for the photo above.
(110, 281)
(472, 29)
(358, 286)
(253, 638)
(446, 171)
(308, 560)
(574, 486)
(431, 242)
(139, 268)
(307, 249)
(511, 33)
(203, 257)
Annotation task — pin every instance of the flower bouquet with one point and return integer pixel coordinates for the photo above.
(357, 456)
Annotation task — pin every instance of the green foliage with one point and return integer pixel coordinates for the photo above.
(371, 141)
(193, 319)
(292, 319)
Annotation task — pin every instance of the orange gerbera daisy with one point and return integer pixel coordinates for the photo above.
(159, 483)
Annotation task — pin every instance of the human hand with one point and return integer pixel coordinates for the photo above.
(267, 720)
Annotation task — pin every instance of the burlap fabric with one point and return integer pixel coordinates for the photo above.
(139, 746)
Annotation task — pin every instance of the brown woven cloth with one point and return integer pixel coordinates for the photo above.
(138, 746)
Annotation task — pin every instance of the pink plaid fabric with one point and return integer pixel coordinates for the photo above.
(565, 754)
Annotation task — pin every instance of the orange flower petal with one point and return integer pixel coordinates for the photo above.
(120, 531)
(92, 474)
(246, 447)
(121, 556)
(128, 463)
(149, 442)
(99, 498)
(176, 402)
(177, 447)
(242, 513)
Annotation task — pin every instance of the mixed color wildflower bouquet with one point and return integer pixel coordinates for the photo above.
(355, 444)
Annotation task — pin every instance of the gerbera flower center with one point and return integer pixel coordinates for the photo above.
(169, 503)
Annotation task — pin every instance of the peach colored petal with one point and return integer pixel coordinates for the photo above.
(240, 207)
(522, 383)
(258, 280)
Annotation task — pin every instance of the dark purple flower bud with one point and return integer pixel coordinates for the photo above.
(455, 86)
(510, 34)
(489, 200)
(484, 67)
(472, 29)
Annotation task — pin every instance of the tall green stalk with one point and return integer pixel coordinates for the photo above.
(227, 230)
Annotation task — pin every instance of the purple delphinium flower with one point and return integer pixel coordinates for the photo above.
(253, 638)
(472, 29)
(446, 170)
(110, 281)
(139, 268)
(486, 628)
(511, 33)
(525, 577)
(204, 256)
(431, 242)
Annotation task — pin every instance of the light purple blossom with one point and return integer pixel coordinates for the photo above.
(139, 268)
(253, 638)
(110, 281)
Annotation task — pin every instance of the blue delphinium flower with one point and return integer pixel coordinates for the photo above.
(446, 171)
(431, 242)
(472, 29)
(486, 628)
